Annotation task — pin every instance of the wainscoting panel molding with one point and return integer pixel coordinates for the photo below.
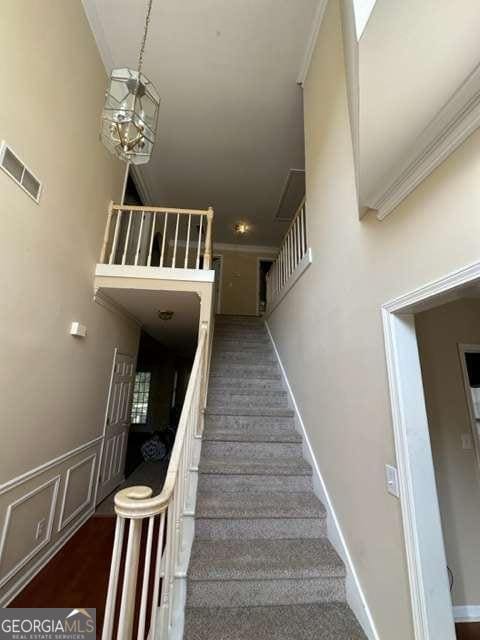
(40, 510)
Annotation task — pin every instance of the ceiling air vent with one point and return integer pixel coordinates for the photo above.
(292, 195)
(14, 167)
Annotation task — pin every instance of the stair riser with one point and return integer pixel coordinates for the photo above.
(226, 410)
(238, 401)
(252, 435)
(244, 371)
(242, 357)
(239, 334)
(252, 484)
(262, 423)
(238, 593)
(229, 320)
(217, 384)
(233, 395)
(260, 346)
(264, 528)
(251, 450)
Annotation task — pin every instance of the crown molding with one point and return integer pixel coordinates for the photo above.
(244, 248)
(105, 301)
(452, 125)
(312, 40)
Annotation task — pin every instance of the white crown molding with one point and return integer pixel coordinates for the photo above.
(89, 7)
(453, 124)
(105, 301)
(312, 40)
(247, 248)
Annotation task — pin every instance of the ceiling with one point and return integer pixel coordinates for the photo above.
(231, 122)
(413, 56)
(178, 334)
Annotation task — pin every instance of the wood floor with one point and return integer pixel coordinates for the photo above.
(468, 631)
(78, 575)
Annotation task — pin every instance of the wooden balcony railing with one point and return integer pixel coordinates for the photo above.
(158, 237)
(293, 258)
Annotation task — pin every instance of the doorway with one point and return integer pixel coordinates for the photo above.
(263, 267)
(426, 558)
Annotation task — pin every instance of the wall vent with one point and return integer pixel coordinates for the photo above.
(16, 169)
(292, 195)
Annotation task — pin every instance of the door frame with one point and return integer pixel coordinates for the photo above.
(257, 296)
(426, 561)
(116, 352)
(462, 350)
(218, 302)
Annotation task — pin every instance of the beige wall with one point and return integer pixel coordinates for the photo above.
(329, 330)
(240, 280)
(439, 333)
(53, 386)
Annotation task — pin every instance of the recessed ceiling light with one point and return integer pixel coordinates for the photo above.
(165, 315)
(241, 227)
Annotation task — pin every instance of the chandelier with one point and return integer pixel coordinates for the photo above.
(130, 112)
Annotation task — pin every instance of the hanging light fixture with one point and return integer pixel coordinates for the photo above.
(130, 112)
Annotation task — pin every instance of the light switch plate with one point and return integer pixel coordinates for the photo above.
(392, 480)
(467, 442)
(77, 329)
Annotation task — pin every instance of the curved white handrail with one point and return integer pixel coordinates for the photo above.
(164, 513)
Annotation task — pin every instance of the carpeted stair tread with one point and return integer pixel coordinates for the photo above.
(264, 560)
(326, 621)
(259, 466)
(267, 504)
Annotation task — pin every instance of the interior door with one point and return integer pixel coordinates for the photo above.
(117, 425)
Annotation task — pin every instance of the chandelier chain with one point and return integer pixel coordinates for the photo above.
(145, 33)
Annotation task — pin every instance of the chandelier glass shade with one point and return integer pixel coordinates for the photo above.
(129, 116)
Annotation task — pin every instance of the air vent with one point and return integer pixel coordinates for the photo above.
(292, 195)
(15, 168)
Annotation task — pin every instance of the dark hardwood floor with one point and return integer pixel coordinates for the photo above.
(78, 575)
(469, 631)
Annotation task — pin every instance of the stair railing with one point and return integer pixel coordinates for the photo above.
(158, 237)
(292, 259)
(157, 546)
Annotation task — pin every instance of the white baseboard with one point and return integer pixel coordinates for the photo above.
(19, 584)
(355, 595)
(467, 613)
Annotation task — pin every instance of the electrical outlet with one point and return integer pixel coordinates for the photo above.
(467, 442)
(392, 480)
(40, 529)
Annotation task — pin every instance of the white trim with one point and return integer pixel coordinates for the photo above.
(55, 481)
(244, 248)
(454, 123)
(260, 259)
(28, 475)
(25, 578)
(101, 298)
(61, 522)
(467, 613)
(363, 10)
(430, 594)
(351, 55)
(311, 41)
(301, 267)
(355, 595)
(463, 349)
(155, 273)
(220, 283)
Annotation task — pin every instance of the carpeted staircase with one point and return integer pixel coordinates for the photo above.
(261, 566)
